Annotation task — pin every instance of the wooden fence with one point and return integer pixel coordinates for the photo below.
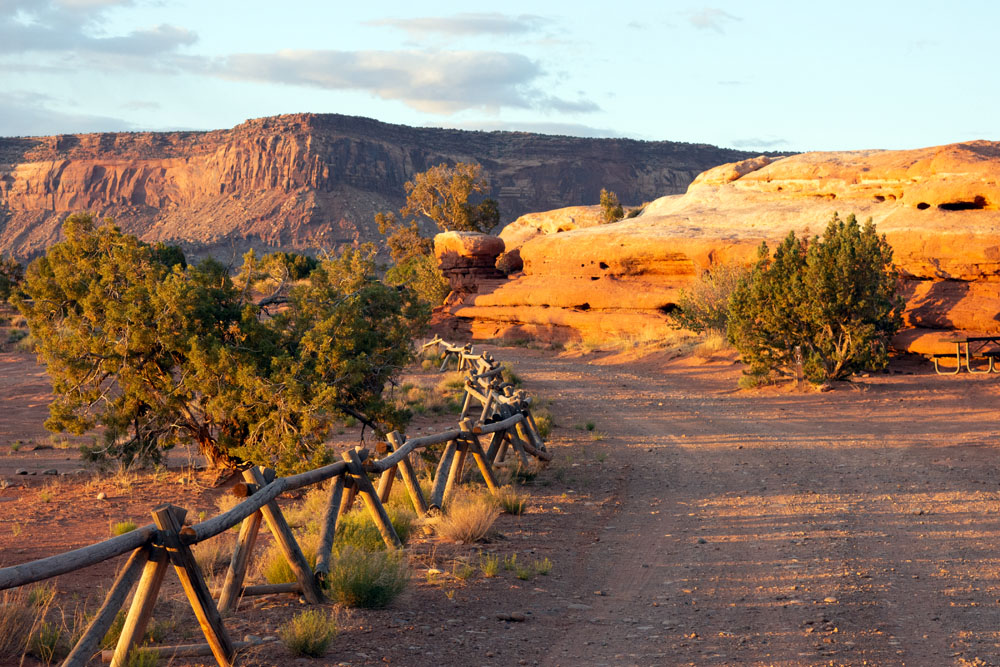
(505, 418)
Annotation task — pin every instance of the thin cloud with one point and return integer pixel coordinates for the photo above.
(561, 129)
(756, 142)
(467, 24)
(440, 82)
(711, 18)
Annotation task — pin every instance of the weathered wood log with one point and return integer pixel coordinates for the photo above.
(518, 446)
(181, 651)
(432, 342)
(267, 493)
(485, 469)
(286, 542)
(349, 496)
(411, 445)
(495, 441)
(329, 529)
(441, 476)
(238, 563)
(466, 404)
(141, 609)
(88, 644)
(271, 589)
(385, 484)
(167, 520)
(455, 472)
(53, 566)
(487, 406)
(371, 500)
(409, 476)
(502, 425)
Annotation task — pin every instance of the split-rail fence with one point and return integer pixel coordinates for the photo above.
(505, 418)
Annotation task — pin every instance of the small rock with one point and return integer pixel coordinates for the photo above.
(601, 593)
(50, 471)
(702, 540)
(20, 471)
(514, 616)
(830, 600)
(252, 639)
(102, 496)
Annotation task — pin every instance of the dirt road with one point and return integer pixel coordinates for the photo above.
(852, 527)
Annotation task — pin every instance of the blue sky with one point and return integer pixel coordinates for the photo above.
(764, 75)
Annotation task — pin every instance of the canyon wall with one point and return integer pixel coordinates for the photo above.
(305, 182)
(938, 207)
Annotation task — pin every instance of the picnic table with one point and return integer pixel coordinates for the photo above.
(968, 349)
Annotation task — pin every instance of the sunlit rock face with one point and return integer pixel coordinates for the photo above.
(938, 207)
(305, 182)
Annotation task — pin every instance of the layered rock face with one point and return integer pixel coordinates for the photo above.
(468, 259)
(938, 207)
(305, 182)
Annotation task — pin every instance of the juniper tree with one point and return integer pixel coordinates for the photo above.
(831, 302)
(160, 353)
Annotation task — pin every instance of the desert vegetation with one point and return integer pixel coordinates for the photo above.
(156, 352)
(827, 306)
(443, 195)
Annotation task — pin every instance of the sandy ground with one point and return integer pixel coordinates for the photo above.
(695, 525)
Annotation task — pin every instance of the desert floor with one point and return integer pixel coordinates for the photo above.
(696, 524)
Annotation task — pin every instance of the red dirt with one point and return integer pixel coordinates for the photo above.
(695, 525)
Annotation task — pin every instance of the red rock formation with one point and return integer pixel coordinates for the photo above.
(304, 182)
(939, 208)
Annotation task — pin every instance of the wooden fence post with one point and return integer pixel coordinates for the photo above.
(409, 476)
(370, 498)
(168, 519)
(286, 542)
(442, 474)
(142, 606)
(88, 643)
(329, 529)
(236, 574)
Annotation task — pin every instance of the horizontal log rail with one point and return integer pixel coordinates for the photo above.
(505, 417)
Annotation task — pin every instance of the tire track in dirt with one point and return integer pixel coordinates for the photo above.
(786, 529)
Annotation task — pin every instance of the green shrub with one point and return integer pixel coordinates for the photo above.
(511, 500)
(367, 579)
(122, 527)
(829, 304)
(704, 304)
(489, 564)
(49, 643)
(143, 658)
(309, 633)
(611, 208)
(357, 529)
(543, 420)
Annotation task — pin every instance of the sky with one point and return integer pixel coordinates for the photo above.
(756, 75)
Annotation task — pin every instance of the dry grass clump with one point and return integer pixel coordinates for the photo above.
(713, 345)
(213, 555)
(17, 618)
(511, 500)
(122, 527)
(468, 518)
(309, 633)
(309, 512)
(367, 579)
(647, 341)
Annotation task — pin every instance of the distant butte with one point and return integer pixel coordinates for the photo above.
(306, 181)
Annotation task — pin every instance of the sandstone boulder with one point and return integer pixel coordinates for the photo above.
(468, 258)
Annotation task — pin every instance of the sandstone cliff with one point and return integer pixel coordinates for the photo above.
(305, 182)
(939, 208)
